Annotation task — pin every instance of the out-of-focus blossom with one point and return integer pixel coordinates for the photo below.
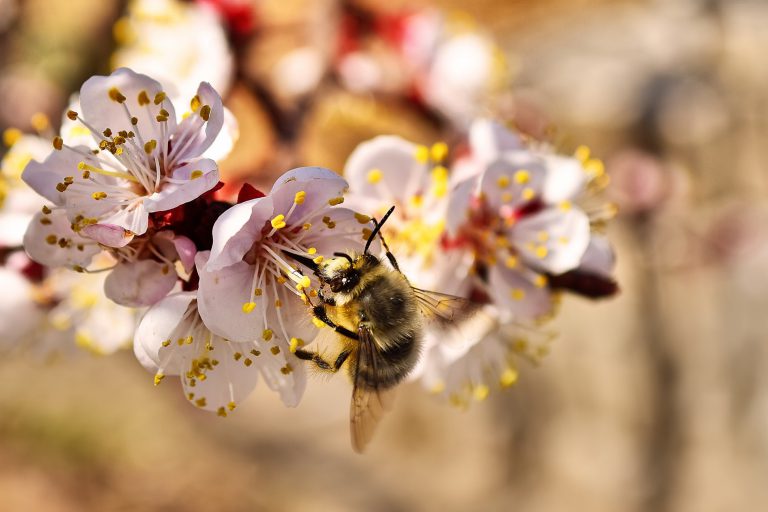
(216, 373)
(19, 312)
(180, 44)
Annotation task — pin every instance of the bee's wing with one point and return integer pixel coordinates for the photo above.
(369, 403)
(444, 309)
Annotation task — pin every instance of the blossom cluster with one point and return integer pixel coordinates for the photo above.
(129, 237)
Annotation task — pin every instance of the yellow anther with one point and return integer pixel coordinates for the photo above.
(159, 97)
(374, 176)
(300, 197)
(594, 167)
(11, 136)
(221, 412)
(508, 377)
(336, 200)
(511, 262)
(150, 146)
(417, 200)
(522, 177)
(541, 252)
(196, 174)
(503, 181)
(115, 95)
(195, 103)
(51, 239)
(247, 361)
(188, 340)
(304, 282)
(159, 378)
(507, 197)
(278, 222)
(285, 370)
(257, 292)
(205, 112)
(517, 293)
(543, 236)
(99, 195)
(267, 334)
(421, 154)
(540, 281)
(166, 343)
(437, 387)
(295, 343)
(318, 323)
(275, 350)
(439, 151)
(281, 280)
(366, 233)
(362, 219)
(311, 250)
(306, 226)
(565, 205)
(582, 153)
(40, 122)
(201, 402)
(278, 303)
(237, 356)
(248, 307)
(481, 392)
(231, 406)
(143, 98)
(563, 240)
(58, 143)
(528, 193)
(72, 115)
(318, 259)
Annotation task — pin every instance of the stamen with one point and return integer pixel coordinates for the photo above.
(115, 174)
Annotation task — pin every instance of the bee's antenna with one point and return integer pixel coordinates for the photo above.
(344, 255)
(377, 229)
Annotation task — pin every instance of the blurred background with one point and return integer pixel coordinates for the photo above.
(655, 400)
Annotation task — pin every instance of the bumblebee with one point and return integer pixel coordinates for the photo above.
(378, 319)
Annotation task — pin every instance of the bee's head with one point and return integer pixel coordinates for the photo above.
(342, 272)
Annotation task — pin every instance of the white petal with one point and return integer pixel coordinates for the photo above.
(75, 251)
(488, 139)
(319, 185)
(565, 179)
(141, 283)
(159, 324)
(193, 185)
(599, 257)
(194, 135)
(225, 141)
(221, 296)
(235, 231)
(516, 295)
(44, 176)
(19, 314)
(553, 240)
(227, 383)
(513, 180)
(460, 203)
(101, 112)
(282, 372)
(385, 166)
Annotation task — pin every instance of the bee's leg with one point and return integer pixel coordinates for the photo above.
(320, 314)
(390, 256)
(330, 301)
(321, 363)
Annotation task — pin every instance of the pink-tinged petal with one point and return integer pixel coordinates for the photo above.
(163, 322)
(50, 240)
(236, 230)
(282, 372)
(513, 180)
(489, 139)
(229, 382)
(221, 296)
(44, 176)
(225, 141)
(319, 185)
(186, 250)
(565, 179)
(108, 234)
(190, 181)
(141, 283)
(194, 134)
(13, 225)
(599, 257)
(553, 240)
(386, 167)
(518, 295)
(134, 219)
(102, 112)
(460, 204)
(344, 231)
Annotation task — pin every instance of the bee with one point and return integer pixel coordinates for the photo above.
(378, 319)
